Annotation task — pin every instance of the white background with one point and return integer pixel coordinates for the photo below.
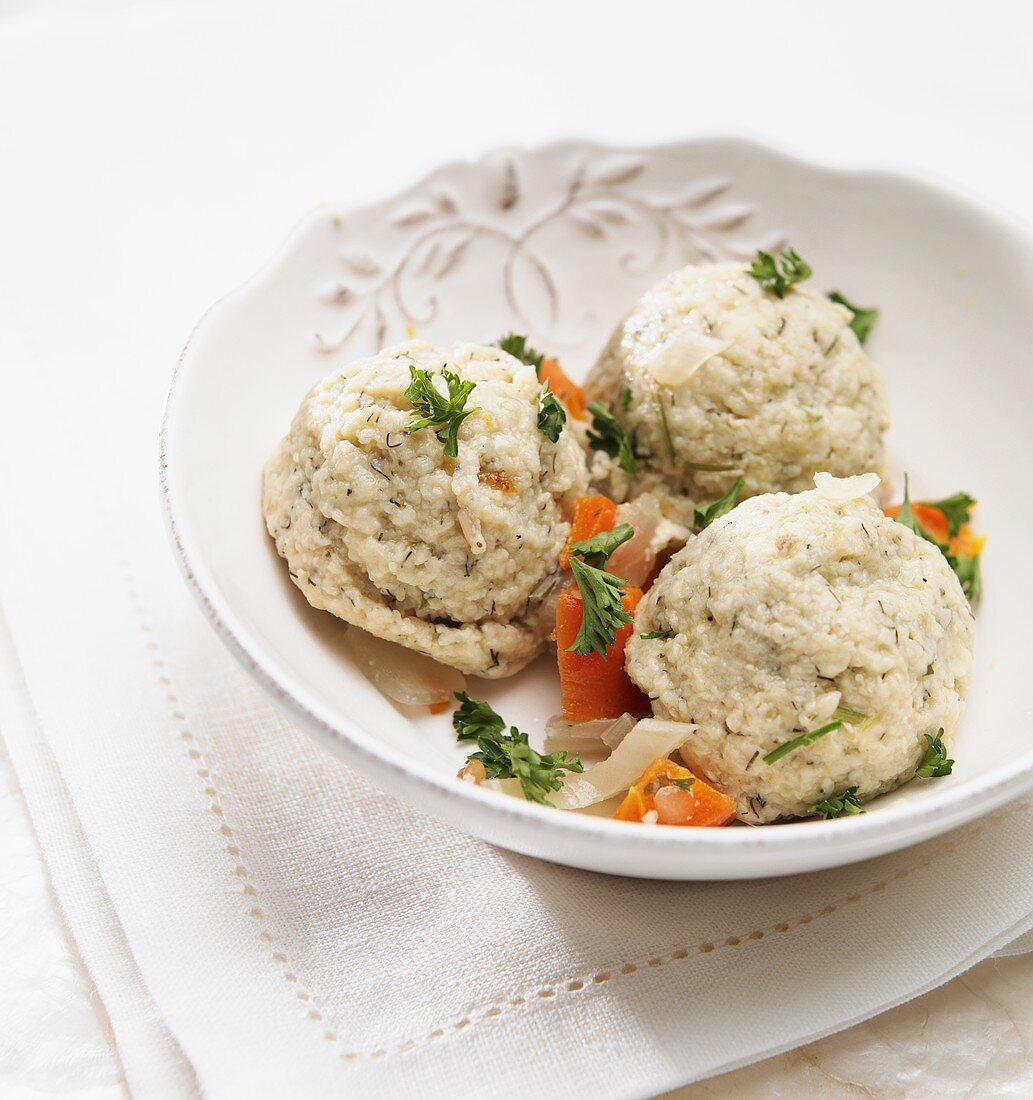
(153, 155)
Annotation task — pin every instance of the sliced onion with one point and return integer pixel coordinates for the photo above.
(678, 358)
(634, 560)
(619, 730)
(651, 738)
(545, 586)
(406, 677)
(845, 488)
(596, 736)
(471, 527)
(563, 582)
(511, 787)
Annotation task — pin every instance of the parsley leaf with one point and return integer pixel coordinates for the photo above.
(967, 567)
(519, 348)
(625, 396)
(476, 719)
(839, 805)
(969, 571)
(654, 634)
(841, 716)
(852, 717)
(509, 756)
(597, 549)
(609, 434)
(704, 517)
(863, 320)
(431, 407)
(935, 762)
(539, 774)
(907, 517)
(602, 597)
(778, 275)
(551, 415)
(602, 608)
(799, 742)
(957, 509)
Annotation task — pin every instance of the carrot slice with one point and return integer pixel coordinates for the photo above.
(593, 686)
(932, 519)
(713, 807)
(967, 544)
(634, 807)
(708, 806)
(567, 390)
(438, 708)
(591, 516)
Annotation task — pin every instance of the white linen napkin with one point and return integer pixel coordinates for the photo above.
(259, 920)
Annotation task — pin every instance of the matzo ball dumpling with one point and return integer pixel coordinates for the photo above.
(791, 612)
(449, 556)
(714, 376)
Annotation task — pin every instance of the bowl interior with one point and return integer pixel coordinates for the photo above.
(517, 242)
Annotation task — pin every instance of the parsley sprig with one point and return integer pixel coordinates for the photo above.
(602, 612)
(853, 717)
(551, 415)
(862, 321)
(839, 805)
(969, 571)
(841, 716)
(958, 510)
(602, 594)
(935, 762)
(509, 756)
(519, 348)
(431, 407)
(779, 274)
(608, 434)
(799, 742)
(704, 517)
(596, 550)
(907, 517)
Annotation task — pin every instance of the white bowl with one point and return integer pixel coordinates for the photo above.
(557, 242)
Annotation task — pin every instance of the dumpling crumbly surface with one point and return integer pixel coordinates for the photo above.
(710, 369)
(449, 556)
(784, 610)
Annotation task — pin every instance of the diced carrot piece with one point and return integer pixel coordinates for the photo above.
(592, 515)
(593, 686)
(438, 708)
(567, 390)
(709, 806)
(932, 519)
(712, 806)
(633, 807)
(967, 544)
(662, 768)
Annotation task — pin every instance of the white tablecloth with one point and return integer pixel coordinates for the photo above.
(253, 918)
